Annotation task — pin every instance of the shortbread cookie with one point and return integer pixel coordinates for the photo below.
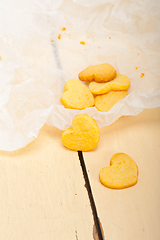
(122, 172)
(106, 101)
(76, 95)
(98, 73)
(120, 83)
(84, 134)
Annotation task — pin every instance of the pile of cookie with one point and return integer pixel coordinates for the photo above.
(105, 88)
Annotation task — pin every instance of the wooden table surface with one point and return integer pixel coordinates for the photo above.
(43, 194)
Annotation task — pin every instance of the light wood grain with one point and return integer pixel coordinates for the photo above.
(133, 213)
(42, 193)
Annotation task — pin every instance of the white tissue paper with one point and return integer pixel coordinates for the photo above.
(40, 50)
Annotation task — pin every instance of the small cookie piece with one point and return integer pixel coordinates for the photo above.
(106, 101)
(122, 172)
(120, 83)
(76, 95)
(99, 73)
(84, 134)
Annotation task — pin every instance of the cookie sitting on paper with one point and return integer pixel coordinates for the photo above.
(84, 134)
(106, 101)
(99, 73)
(120, 83)
(76, 95)
(122, 172)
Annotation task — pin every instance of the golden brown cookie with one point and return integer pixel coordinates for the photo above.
(120, 83)
(84, 134)
(106, 101)
(76, 95)
(99, 73)
(122, 172)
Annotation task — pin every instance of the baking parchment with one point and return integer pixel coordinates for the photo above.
(41, 48)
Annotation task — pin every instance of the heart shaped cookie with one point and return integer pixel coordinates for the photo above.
(76, 95)
(99, 73)
(120, 83)
(122, 172)
(106, 101)
(84, 134)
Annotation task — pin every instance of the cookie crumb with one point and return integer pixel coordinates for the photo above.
(64, 29)
(142, 75)
(59, 36)
(82, 42)
(137, 67)
(109, 37)
(52, 40)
